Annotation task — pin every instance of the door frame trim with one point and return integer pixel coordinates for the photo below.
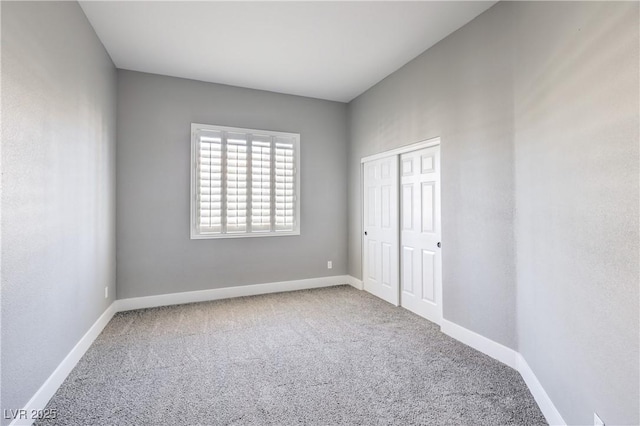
(396, 152)
(427, 143)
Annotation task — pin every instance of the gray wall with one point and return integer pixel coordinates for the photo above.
(154, 252)
(58, 212)
(537, 107)
(460, 90)
(576, 151)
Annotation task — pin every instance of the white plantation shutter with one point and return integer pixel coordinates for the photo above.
(261, 187)
(245, 182)
(284, 184)
(209, 194)
(236, 183)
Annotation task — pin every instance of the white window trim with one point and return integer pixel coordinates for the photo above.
(195, 234)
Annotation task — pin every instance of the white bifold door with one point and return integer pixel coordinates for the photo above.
(401, 243)
(380, 266)
(420, 260)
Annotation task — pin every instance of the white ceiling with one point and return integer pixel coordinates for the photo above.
(326, 50)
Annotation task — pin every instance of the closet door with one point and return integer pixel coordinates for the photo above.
(420, 258)
(380, 240)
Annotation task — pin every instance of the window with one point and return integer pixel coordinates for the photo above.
(244, 183)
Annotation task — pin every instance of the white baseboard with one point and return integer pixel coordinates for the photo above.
(511, 358)
(41, 398)
(227, 292)
(547, 407)
(354, 282)
(485, 345)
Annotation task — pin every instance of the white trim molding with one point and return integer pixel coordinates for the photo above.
(354, 282)
(477, 341)
(511, 358)
(545, 403)
(485, 345)
(403, 149)
(227, 292)
(41, 398)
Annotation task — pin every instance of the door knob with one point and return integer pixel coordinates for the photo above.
(365, 232)
(438, 244)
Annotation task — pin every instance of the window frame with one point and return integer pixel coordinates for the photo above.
(195, 232)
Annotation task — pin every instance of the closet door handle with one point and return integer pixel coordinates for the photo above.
(438, 244)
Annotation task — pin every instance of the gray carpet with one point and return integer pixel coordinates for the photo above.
(323, 357)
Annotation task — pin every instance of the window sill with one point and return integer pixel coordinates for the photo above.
(196, 236)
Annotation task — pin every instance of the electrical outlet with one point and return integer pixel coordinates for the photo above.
(597, 421)
(329, 264)
(106, 292)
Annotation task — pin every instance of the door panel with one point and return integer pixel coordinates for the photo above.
(428, 275)
(371, 264)
(406, 206)
(380, 242)
(427, 162)
(407, 269)
(386, 264)
(428, 206)
(385, 206)
(371, 206)
(421, 279)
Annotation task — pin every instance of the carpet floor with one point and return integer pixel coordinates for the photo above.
(330, 356)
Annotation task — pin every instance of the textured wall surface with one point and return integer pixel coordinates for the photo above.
(576, 150)
(537, 107)
(155, 254)
(58, 212)
(459, 90)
